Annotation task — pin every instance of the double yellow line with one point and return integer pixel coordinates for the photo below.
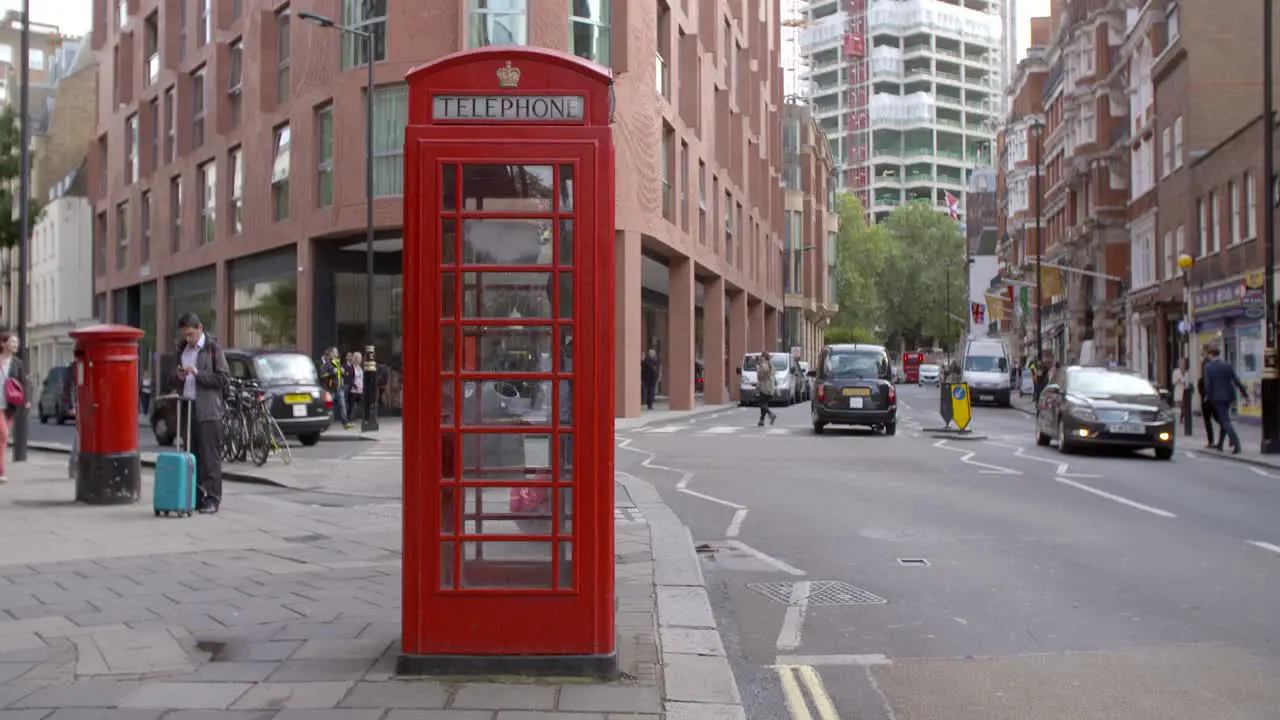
(796, 680)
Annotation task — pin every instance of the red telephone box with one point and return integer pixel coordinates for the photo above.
(509, 366)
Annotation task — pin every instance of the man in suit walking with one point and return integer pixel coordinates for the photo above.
(1220, 385)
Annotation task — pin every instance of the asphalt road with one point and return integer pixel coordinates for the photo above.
(862, 577)
(329, 448)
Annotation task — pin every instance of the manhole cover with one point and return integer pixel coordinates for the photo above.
(822, 593)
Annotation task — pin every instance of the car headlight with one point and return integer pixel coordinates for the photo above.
(1081, 412)
(1165, 415)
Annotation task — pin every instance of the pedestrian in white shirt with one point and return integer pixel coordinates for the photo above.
(1182, 393)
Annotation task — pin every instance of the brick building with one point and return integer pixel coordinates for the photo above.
(1016, 183)
(1086, 185)
(227, 175)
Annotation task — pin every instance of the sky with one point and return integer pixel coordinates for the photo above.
(1027, 9)
(73, 17)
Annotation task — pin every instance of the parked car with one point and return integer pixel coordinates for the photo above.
(806, 383)
(299, 404)
(58, 396)
(853, 385)
(1105, 407)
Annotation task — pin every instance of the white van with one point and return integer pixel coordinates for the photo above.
(785, 372)
(986, 367)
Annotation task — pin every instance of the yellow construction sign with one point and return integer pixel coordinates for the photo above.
(961, 409)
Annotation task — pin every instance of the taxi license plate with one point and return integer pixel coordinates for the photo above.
(857, 391)
(295, 399)
(1126, 429)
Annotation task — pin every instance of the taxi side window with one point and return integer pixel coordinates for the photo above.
(239, 368)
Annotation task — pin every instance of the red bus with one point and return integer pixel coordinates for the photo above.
(911, 366)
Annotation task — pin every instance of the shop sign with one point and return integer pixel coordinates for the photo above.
(1221, 297)
(1254, 303)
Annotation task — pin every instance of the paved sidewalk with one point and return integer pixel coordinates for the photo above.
(278, 610)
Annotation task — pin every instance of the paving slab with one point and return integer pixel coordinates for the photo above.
(495, 696)
(185, 695)
(422, 694)
(292, 696)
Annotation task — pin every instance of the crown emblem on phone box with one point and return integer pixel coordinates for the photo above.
(508, 76)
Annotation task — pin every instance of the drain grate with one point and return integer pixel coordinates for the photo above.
(822, 593)
(914, 562)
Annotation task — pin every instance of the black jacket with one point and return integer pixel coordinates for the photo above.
(212, 374)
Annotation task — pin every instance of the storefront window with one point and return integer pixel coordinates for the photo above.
(193, 292)
(265, 313)
(147, 346)
(350, 302)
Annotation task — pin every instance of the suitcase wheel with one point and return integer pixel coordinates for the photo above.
(157, 513)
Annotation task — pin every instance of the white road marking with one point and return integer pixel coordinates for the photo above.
(735, 525)
(966, 457)
(793, 622)
(685, 476)
(669, 429)
(833, 660)
(775, 562)
(712, 498)
(721, 430)
(1116, 498)
(779, 431)
(1260, 471)
(1265, 546)
(1060, 467)
(1190, 454)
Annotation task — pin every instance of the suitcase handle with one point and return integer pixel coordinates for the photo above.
(191, 409)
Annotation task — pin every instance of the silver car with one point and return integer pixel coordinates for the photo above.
(929, 375)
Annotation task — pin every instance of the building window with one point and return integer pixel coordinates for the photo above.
(144, 217)
(702, 202)
(122, 13)
(122, 235)
(1215, 211)
(153, 120)
(1202, 218)
(324, 156)
(498, 22)
(171, 132)
(728, 226)
(355, 48)
(1172, 23)
(204, 33)
(1166, 152)
(131, 149)
(1251, 206)
(235, 71)
(390, 115)
(208, 174)
(235, 204)
(236, 9)
(100, 244)
(175, 214)
(684, 186)
(280, 175)
(284, 54)
(668, 150)
(182, 29)
(589, 30)
(197, 109)
(151, 48)
(1177, 143)
(1233, 195)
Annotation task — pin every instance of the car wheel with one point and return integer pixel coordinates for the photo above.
(1042, 438)
(43, 418)
(164, 436)
(891, 428)
(1064, 447)
(58, 416)
(309, 439)
(1164, 453)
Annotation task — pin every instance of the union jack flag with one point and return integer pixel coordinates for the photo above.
(953, 206)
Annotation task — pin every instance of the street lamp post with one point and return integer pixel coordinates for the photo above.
(21, 417)
(1038, 125)
(369, 422)
(1271, 361)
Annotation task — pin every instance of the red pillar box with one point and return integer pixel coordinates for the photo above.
(508, 357)
(106, 377)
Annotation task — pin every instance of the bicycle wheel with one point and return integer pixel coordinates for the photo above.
(242, 435)
(230, 439)
(259, 442)
(279, 443)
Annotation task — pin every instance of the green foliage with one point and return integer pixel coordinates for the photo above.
(10, 159)
(837, 335)
(893, 277)
(275, 319)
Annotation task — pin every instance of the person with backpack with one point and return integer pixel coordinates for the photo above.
(332, 378)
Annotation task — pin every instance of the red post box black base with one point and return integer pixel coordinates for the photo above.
(109, 478)
(604, 667)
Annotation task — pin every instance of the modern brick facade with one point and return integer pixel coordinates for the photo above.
(228, 171)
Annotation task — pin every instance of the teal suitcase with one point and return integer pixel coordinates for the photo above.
(175, 477)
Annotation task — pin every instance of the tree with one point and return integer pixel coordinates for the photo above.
(10, 167)
(275, 315)
(913, 284)
(861, 253)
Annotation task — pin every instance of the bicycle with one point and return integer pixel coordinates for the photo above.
(264, 434)
(239, 400)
